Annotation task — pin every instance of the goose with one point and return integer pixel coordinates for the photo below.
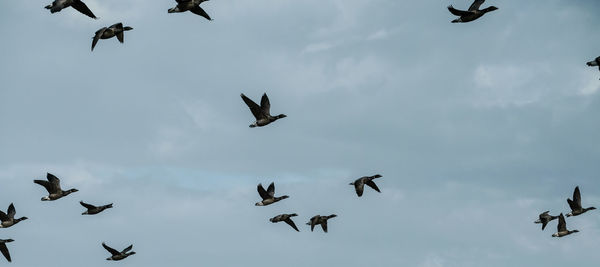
(562, 228)
(545, 218)
(262, 113)
(472, 14)
(322, 220)
(91, 209)
(594, 63)
(116, 255)
(110, 32)
(287, 218)
(58, 5)
(268, 196)
(359, 184)
(575, 204)
(8, 218)
(4, 249)
(190, 5)
(53, 188)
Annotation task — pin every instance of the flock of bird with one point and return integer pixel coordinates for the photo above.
(263, 117)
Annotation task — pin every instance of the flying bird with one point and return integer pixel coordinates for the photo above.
(58, 5)
(8, 218)
(562, 228)
(91, 209)
(53, 188)
(359, 184)
(262, 113)
(472, 14)
(287, 218)
(190, 5)
(545, 218)
(116, 255)
(268, 196)
(322, 220)
(4, 249)
(594, 63)
(575, 204)
(110, 32)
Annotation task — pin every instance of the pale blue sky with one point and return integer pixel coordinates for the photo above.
(476, 128)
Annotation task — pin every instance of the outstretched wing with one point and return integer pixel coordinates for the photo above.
(97, 37)
(127, 249)
(255, 108)
(265, 104)
(81, 7)
(271, 190)
(544, 223)
(262, 192)
(3, 216)
(54, 181)
(562, 224)
(577, 197)
(324, 226)
(199, 11)
(359, 187)
(111, 250)
(291, 223)
(46, 185)
(372, 184)
(457, 12)
(5, 252)
(86, 205)
(476, 5)
(11, 211)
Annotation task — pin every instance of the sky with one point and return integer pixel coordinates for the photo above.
(476, 128)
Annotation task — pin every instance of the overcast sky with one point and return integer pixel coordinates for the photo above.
(476, 128)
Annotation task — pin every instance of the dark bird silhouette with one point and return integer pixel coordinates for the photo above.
(110, 32)
(594, 63)
(472, 14)
(287, 218)
(190, 5)
(91, 209)
(562, 228)
(322, 220)
(58, 5)
(575, 204)
(268, 195)
(262, 113)
(53, 188)
(4, 249)
(359, 184)
(116, 255)
(8, 218)
(545, 218)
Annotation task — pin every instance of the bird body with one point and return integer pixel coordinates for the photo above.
(322, 220)
(268, 195)
(110, 32)
(190, 5)
(262, 113)
(360, 183)
(472, 14)
(287, 218)
(58, 5)
(8, 218)
(53, 188)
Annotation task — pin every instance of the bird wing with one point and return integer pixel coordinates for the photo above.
(562, 224)
(255, 108)
(45, 184)
(11, 211)
(572, 204)
(127, 249)
(262, 192)
(324, 226)
(111, 250)
(97, 37)
(199, 11)
(359, 186)
(5, 252)
(265, 104)
(577, 197)
(372, 184)
(3, 216)
(476, 5)
(87, 206)
(81, 7)
(291, 223)
(457, 12)
(119, 34)
(54, 181)
(376, 176)
(271, 190)
(544, 223)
